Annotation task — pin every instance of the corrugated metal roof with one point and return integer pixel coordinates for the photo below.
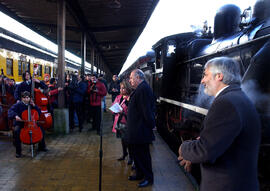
(112, 26)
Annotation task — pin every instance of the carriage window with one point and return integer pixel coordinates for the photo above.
(20, 67)
(47, 70)
(171, 47)
(39, 72)
(54, 71)
(9, 67)
(26, 66)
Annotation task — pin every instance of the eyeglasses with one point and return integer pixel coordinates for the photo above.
(26, 97)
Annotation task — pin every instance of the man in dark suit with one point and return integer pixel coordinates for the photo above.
(114, 88)
(228, 146)
(76, 89)
(140, 122)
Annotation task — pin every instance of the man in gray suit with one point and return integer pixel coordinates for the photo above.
(228, 146)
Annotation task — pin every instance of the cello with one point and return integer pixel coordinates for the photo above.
(6, 101)
(31, 133)
(42, 102)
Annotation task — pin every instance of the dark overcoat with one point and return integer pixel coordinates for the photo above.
(77, 92)
(114, 85)
(141, 115)
(229, 144)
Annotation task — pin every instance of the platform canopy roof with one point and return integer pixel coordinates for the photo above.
(111, 26)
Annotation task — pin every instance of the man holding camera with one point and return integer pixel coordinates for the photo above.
(96, 91)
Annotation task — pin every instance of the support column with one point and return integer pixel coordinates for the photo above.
(61, 38)
(83, 52)
(60, 115)
(102, 66)
(98, 64)
(92, 60)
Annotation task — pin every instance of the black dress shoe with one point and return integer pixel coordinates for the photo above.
(145, 183)
(129, 161)
(133, 167)
(43, 149)
(134, 177)
(18, 155)
(121, 158)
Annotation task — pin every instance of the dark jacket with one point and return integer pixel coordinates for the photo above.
(77, 92)
(18, 109)
(115, 85)
(229, 144)
(23, 86)
(11, 89)
(141, 115)
(104, 82)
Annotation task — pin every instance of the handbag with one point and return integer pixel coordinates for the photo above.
(120, 127)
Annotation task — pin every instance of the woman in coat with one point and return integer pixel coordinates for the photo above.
(120, 119)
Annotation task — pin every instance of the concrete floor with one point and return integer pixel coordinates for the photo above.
(72, 164)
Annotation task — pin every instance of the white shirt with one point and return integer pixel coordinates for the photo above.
(221, 91)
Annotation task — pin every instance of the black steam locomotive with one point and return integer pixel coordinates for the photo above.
(178, 68)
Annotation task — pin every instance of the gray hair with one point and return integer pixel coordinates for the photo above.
(228, 67)
(139, 73)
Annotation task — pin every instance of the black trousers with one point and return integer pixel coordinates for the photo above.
(17, 140)
(75, 107)
(124, 147)
(142, 160)
(96, 115)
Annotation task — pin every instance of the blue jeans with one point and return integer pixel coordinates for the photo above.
(104, 103)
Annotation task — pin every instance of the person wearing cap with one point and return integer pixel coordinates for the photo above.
(15, 112)
(47, 79)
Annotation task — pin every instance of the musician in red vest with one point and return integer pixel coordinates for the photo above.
(15, 112)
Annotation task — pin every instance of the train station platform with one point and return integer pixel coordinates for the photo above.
(72, 164)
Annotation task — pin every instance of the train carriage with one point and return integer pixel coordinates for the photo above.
(18, 55)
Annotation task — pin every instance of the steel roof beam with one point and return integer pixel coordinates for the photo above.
(90, 29)
(77, 13)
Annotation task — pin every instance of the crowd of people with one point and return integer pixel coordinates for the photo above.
(227, 147)
(83, 97)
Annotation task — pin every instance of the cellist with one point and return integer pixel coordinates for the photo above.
(26, 85)
(15, 112)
